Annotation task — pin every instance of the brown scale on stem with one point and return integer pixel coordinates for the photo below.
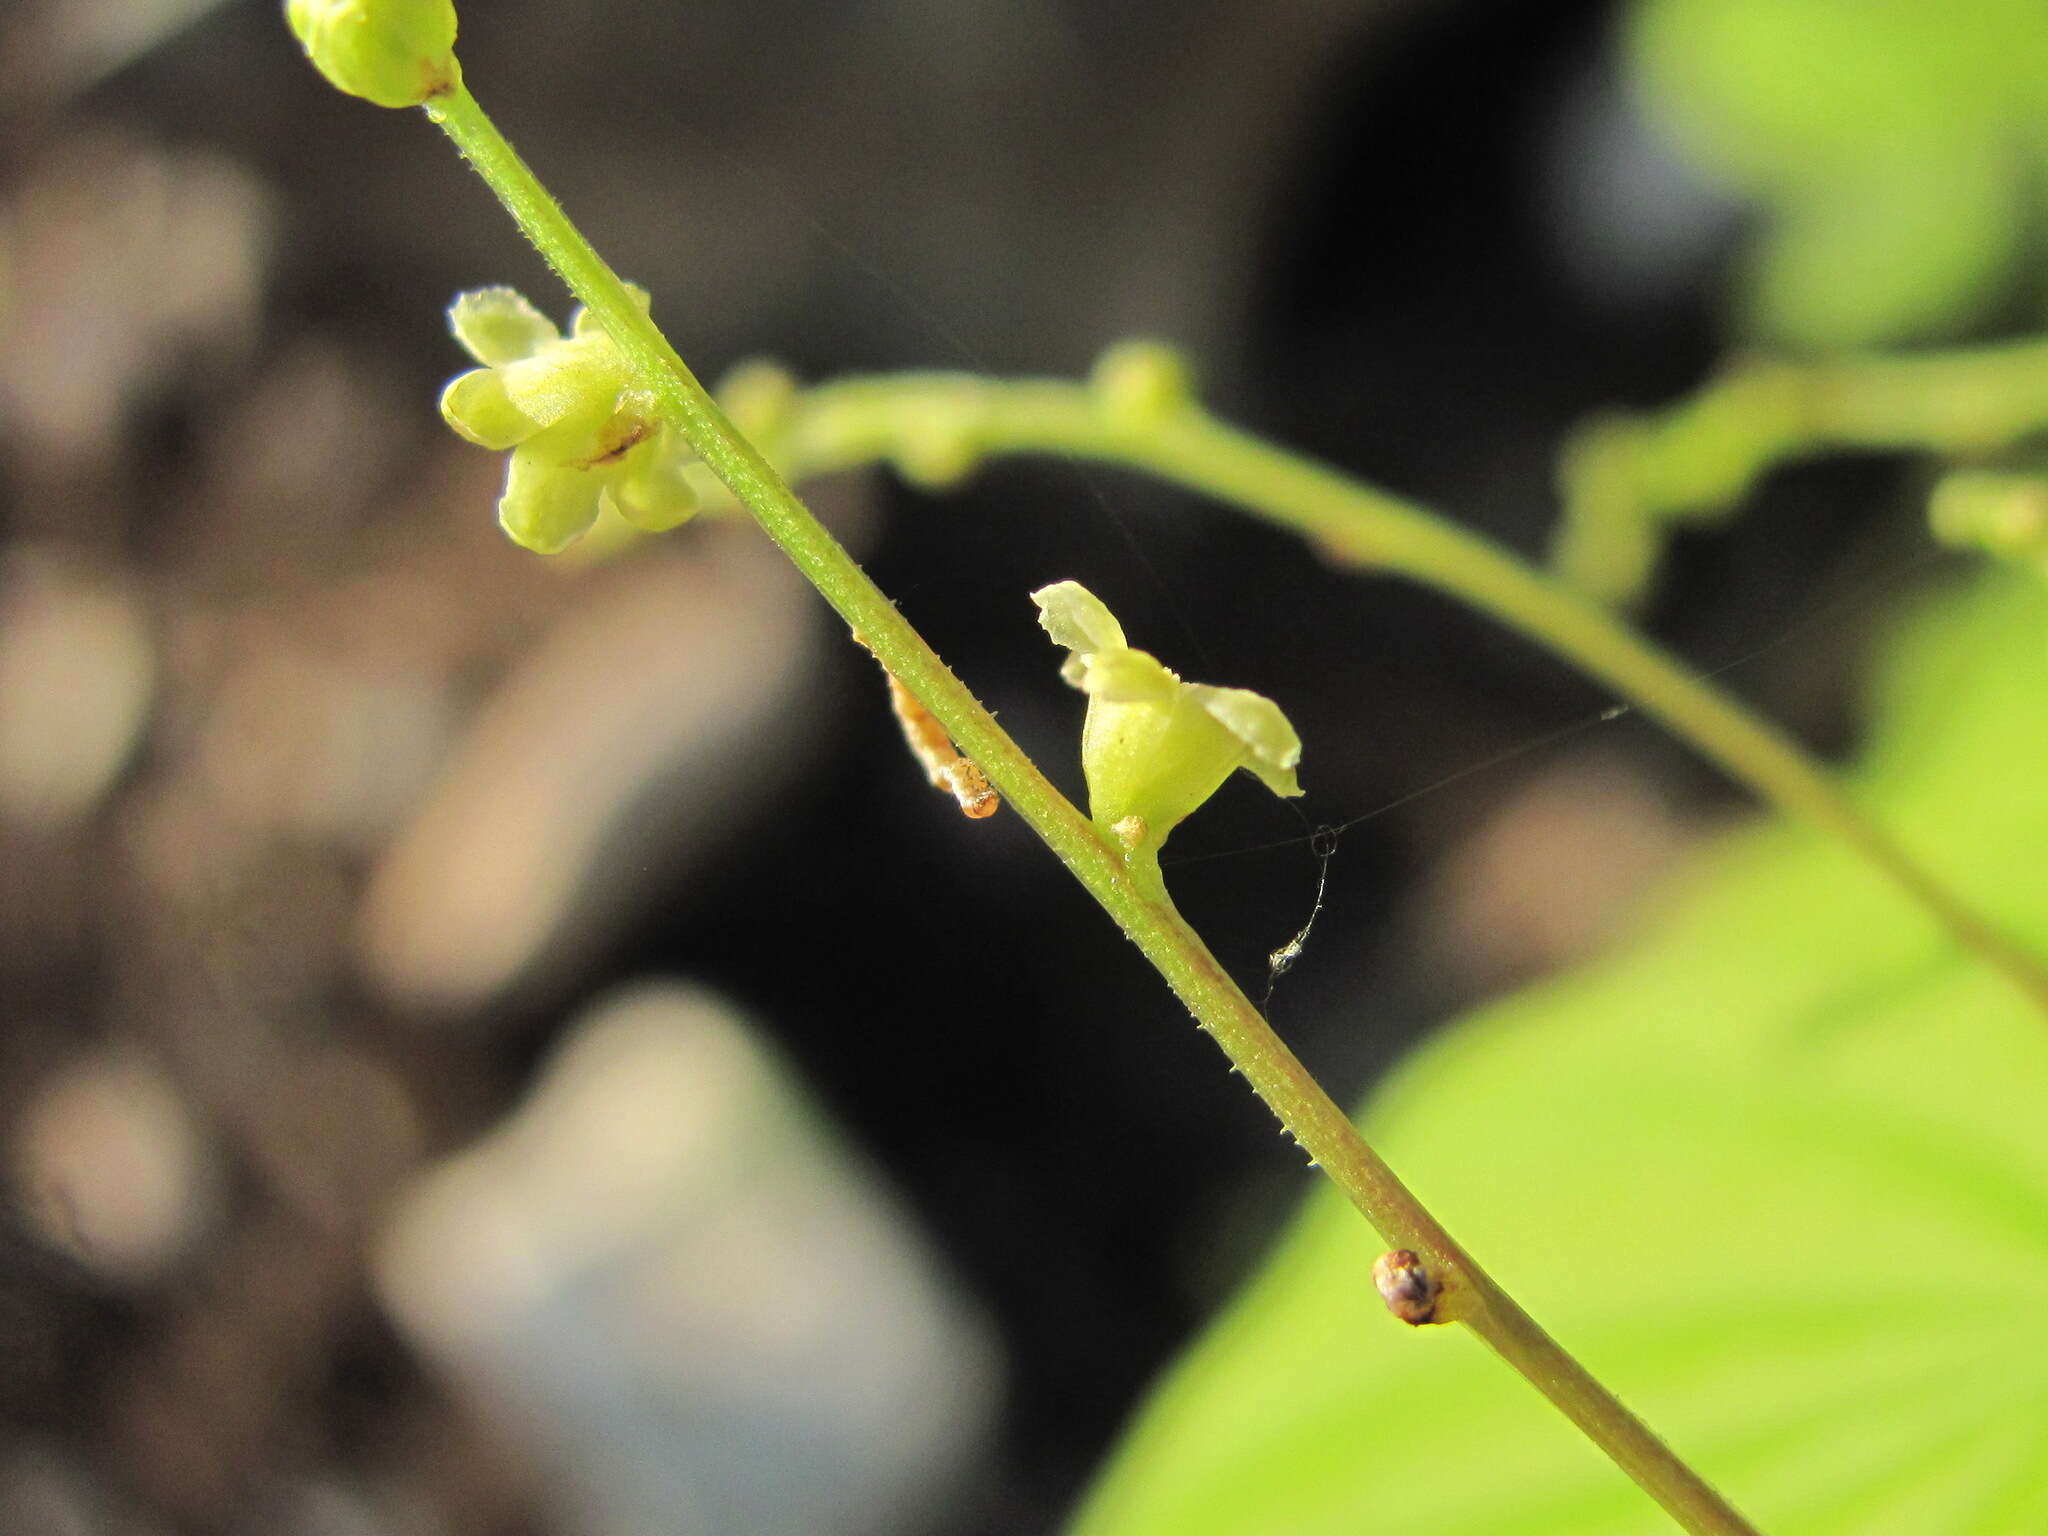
(943, 763)
(1410, 1291)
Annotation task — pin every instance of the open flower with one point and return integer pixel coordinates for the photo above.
(582, 435)
(1153, 747)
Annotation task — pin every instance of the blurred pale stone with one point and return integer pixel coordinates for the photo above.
(45, 1492)
(310, 451)
(76, 672)
(1552, 875)
(1632, 224)
(50, 50)
(109, 1167)
(331, 1508)
(669, 1275)
(319, 744)
(333, 1131)
(643, 729)
(123, 262)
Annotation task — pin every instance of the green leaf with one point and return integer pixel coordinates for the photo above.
(1914, 250)
(1778, 1173)
(1890, 144)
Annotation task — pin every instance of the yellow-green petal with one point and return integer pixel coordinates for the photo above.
(1272, 748)
(583, 323)
(650, 488)
(1077, 619)
(499, 325)
(476, 405)
(568, 382)
(547, 506)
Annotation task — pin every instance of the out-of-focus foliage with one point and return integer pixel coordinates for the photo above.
(1779, 1173)
(1999, 510)
(1895, 148)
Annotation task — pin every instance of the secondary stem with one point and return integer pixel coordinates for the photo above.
(1627, 477)
(853, 420)
(1370, 528)
(1134, 898)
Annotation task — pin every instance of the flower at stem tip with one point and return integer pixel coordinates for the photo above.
(583, 436)
(1153, 747)
(396, 53)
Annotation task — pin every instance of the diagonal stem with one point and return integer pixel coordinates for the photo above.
(1131, 895)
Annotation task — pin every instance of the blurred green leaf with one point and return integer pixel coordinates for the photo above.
(1779, 1173)
(1906, 252)
(1894, 146)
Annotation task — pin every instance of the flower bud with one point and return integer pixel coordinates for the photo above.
(396, 53)
(1154, 747)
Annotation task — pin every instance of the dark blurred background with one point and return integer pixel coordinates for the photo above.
(492, 1045)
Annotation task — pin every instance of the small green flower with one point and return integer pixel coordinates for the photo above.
(1153, 747)
(582, 436)
(396, 53)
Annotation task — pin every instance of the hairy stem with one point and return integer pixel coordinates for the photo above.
(854, 420)
(1132, 896)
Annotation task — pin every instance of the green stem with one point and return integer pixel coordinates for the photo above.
(847, 422)
(1135, 899)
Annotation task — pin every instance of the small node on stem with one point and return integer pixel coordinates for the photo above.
(945, 767)
(1140, 384)
(935, 450)
(1407, 1287)
(1130, 831)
